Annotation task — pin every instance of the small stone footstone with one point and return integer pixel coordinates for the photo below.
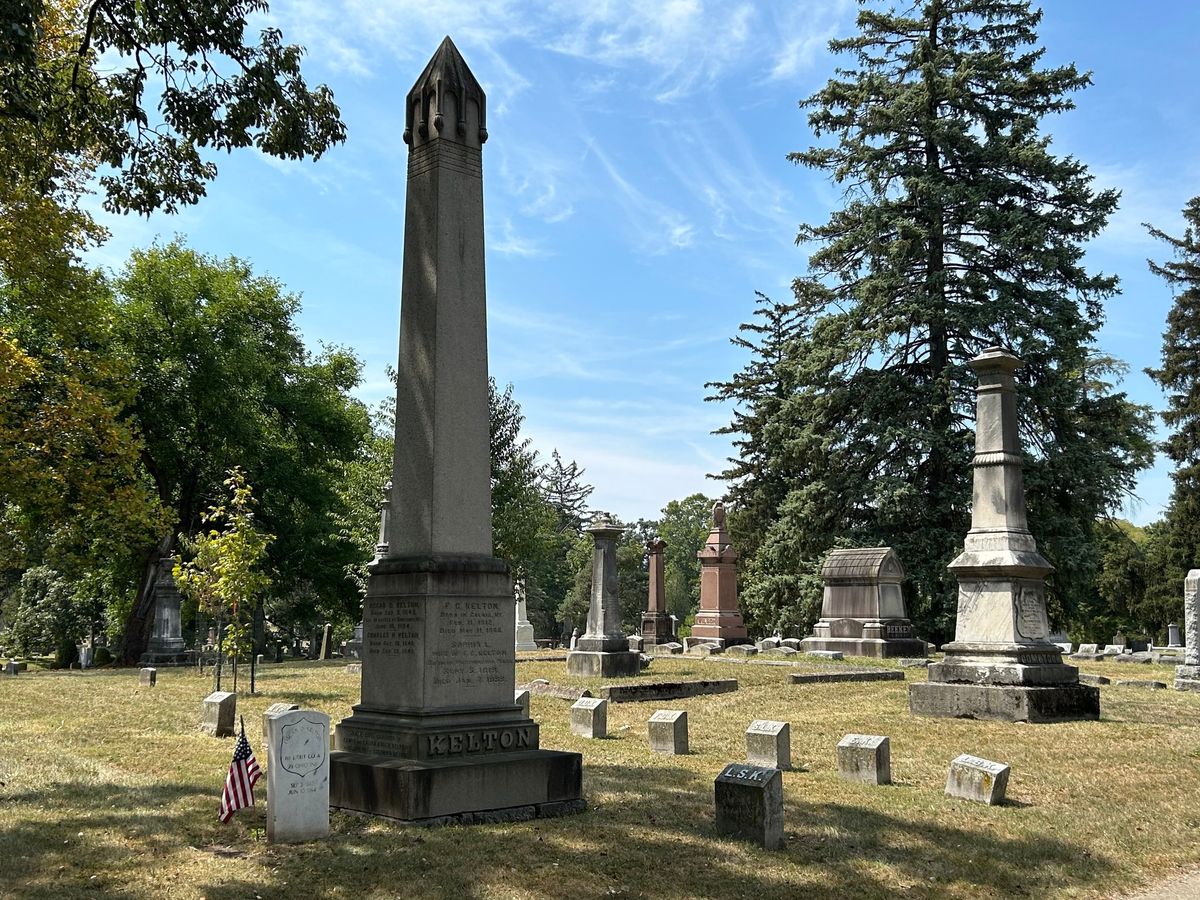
(297, 776)
(589, 717)
(1141, 683)
(668, 730)
(741, 650)
(11, 668)
(218, 712)
(769, 744)
(824, 654)
(637, 642)
(1064, 646)
(521, 698)
(276, 709)
(768, 644)
(1143, 658)
(704, 649)
(1093, 680)
(354, 669)
(866, 758)
(749, 804)
(674, 647)
(914, 662)
(972, 778)
(785, 651)
(794, 643)
(147, 677)
(1113, 650)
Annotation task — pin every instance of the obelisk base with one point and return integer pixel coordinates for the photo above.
(601, 664)
(1187, 678)
(525, 640)
(879, 648)
(1008, 682)
(473, 790)
(656, 628)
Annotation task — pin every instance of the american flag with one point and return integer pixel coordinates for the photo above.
(239, 783)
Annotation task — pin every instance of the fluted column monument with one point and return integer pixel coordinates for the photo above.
(437, 735)
(1001, 664)
(603, 650)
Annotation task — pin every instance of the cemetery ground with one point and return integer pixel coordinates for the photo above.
(110, 789)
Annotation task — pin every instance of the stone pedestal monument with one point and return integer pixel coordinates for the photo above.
(165, 647)
(1001, 664)
(862, 610)
(656, 623)
(1187, 676)
(603, 650)
(718, 620)
(438, 736)
(524, 637)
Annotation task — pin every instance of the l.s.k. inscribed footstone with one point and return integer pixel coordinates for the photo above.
(1001, 664)
(437, 735)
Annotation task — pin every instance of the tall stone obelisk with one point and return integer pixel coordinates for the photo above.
(1001, 664)
(656, 622)
(437, 735)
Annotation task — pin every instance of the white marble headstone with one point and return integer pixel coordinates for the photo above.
(297, 776)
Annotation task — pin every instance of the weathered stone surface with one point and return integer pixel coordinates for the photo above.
(794, 643)
(769, 744)
(217, 713)
(972, 778)
(672, 648)
(707, 649)
(866, 758)
(749, 804)
(600, 664)
(524, 628)
(719, 620)
(147, 677)
(603, 651)
(165, 646)
(1141, 683)
(545, 688)
(666, 690)
(637, 643)
(742, 650)
(825, 654)
(589, 717)
(770, 643)
(1187, 678)
(856, 675)
(354, 669)
(785, 652)
(521, 697)
(1139, 658)
(1191, 618)
(1002, 637)
(276, 709)
(1012, 703)
(297, 776)
(1088, 649)
(862, 608)
(1113, 650)
(668, 731)
(12, 668)
(1064, 646)
(914, 662)
(657, 627)
(1094, 680)
(326, 642)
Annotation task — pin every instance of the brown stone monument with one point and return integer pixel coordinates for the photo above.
(656, 622)
(1001, 664)
(438, 736)
(718, 620)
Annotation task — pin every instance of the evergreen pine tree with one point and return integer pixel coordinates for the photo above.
(960, 230)
(1178, 543)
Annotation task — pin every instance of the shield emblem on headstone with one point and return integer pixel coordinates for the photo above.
(303, 747)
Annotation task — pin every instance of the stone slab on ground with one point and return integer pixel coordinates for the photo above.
(825, 654)
(666, 690)
(853, 675)
(668, 732)
(297, 776)
(1141, 683)
(769, 744)
(1011, 703)
(547, 689)
(672, 648)
(749, 804)
(217, 713)
(973, 778)
(783, 651)
(1143, 658)
(792, 643)
(589, 717)
(742, 650)
(866, 758)
(1187, 678)
(541, 657)
(914, 662)
(1094, 680)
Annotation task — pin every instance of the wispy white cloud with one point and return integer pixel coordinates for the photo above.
(509, 243)
(658, 228)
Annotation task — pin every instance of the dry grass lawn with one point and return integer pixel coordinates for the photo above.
(110, 790)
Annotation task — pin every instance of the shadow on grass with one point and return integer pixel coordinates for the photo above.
(653, 835)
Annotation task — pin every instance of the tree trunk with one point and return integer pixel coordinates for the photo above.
(140, 622)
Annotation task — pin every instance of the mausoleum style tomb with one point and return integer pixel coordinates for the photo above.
(862, 610)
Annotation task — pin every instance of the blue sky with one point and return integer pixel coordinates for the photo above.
(637, 194)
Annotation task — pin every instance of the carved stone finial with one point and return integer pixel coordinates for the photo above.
(446, 94)
(385, 508)
(718, 513)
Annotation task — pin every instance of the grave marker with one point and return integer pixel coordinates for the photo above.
(147, 677)
(749, 804)
(668, 729)
(769, 744)
(297, 776)
(982, 780)
(217, 714)
(866, 758)
(589, 717)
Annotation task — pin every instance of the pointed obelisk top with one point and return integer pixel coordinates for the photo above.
(446, 102)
